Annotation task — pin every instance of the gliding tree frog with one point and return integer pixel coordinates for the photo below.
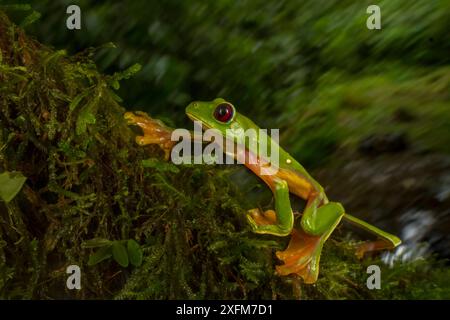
(320, 216)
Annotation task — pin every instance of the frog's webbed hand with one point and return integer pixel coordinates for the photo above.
(278, 222)
(155, 131)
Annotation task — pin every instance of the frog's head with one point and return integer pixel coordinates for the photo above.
(222, 116)
(218, 114)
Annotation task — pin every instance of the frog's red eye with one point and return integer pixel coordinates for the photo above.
(224, 112)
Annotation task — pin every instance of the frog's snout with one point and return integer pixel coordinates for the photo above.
(192, 106)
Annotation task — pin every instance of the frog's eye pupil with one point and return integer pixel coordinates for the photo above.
(224, 112)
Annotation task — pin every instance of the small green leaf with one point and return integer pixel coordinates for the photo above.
(130, 71)
(102, 254)
(76, 101)
(108, 45)
(134, 253)
(120, 254)
(126, 74)
(85, 118)
(115, 84)
(54, 56)
(115, 96)
(30, 19)
(10, 184)
(95, 243)
(160, 165)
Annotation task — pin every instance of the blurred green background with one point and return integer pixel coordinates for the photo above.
(367, 110)
(310, 68)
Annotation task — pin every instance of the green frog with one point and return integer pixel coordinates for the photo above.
(320, 216)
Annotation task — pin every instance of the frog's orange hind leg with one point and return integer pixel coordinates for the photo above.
(298, 256)
(371, 246)
(386, 241)
(302, 256)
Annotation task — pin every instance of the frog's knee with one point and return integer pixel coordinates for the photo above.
(310, 228)
(337, 207)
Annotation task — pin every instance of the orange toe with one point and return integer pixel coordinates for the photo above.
(263, 219)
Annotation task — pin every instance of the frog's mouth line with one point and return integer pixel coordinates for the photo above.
(206, 126)
(194, 118)
(239, 147)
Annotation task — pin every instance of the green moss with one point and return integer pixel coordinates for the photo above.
(61, 126)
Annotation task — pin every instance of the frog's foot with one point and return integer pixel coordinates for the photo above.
(155, 132)
(301, 256)
(258, 218)
(278, 222)
(377, 245)
(266, 223)
(385, 241)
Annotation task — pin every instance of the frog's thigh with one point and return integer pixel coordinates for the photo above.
(317, 221)
(283, 212)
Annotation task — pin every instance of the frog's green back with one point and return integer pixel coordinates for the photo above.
(237, 127)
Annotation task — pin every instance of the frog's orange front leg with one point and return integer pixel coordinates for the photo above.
(154, 131)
